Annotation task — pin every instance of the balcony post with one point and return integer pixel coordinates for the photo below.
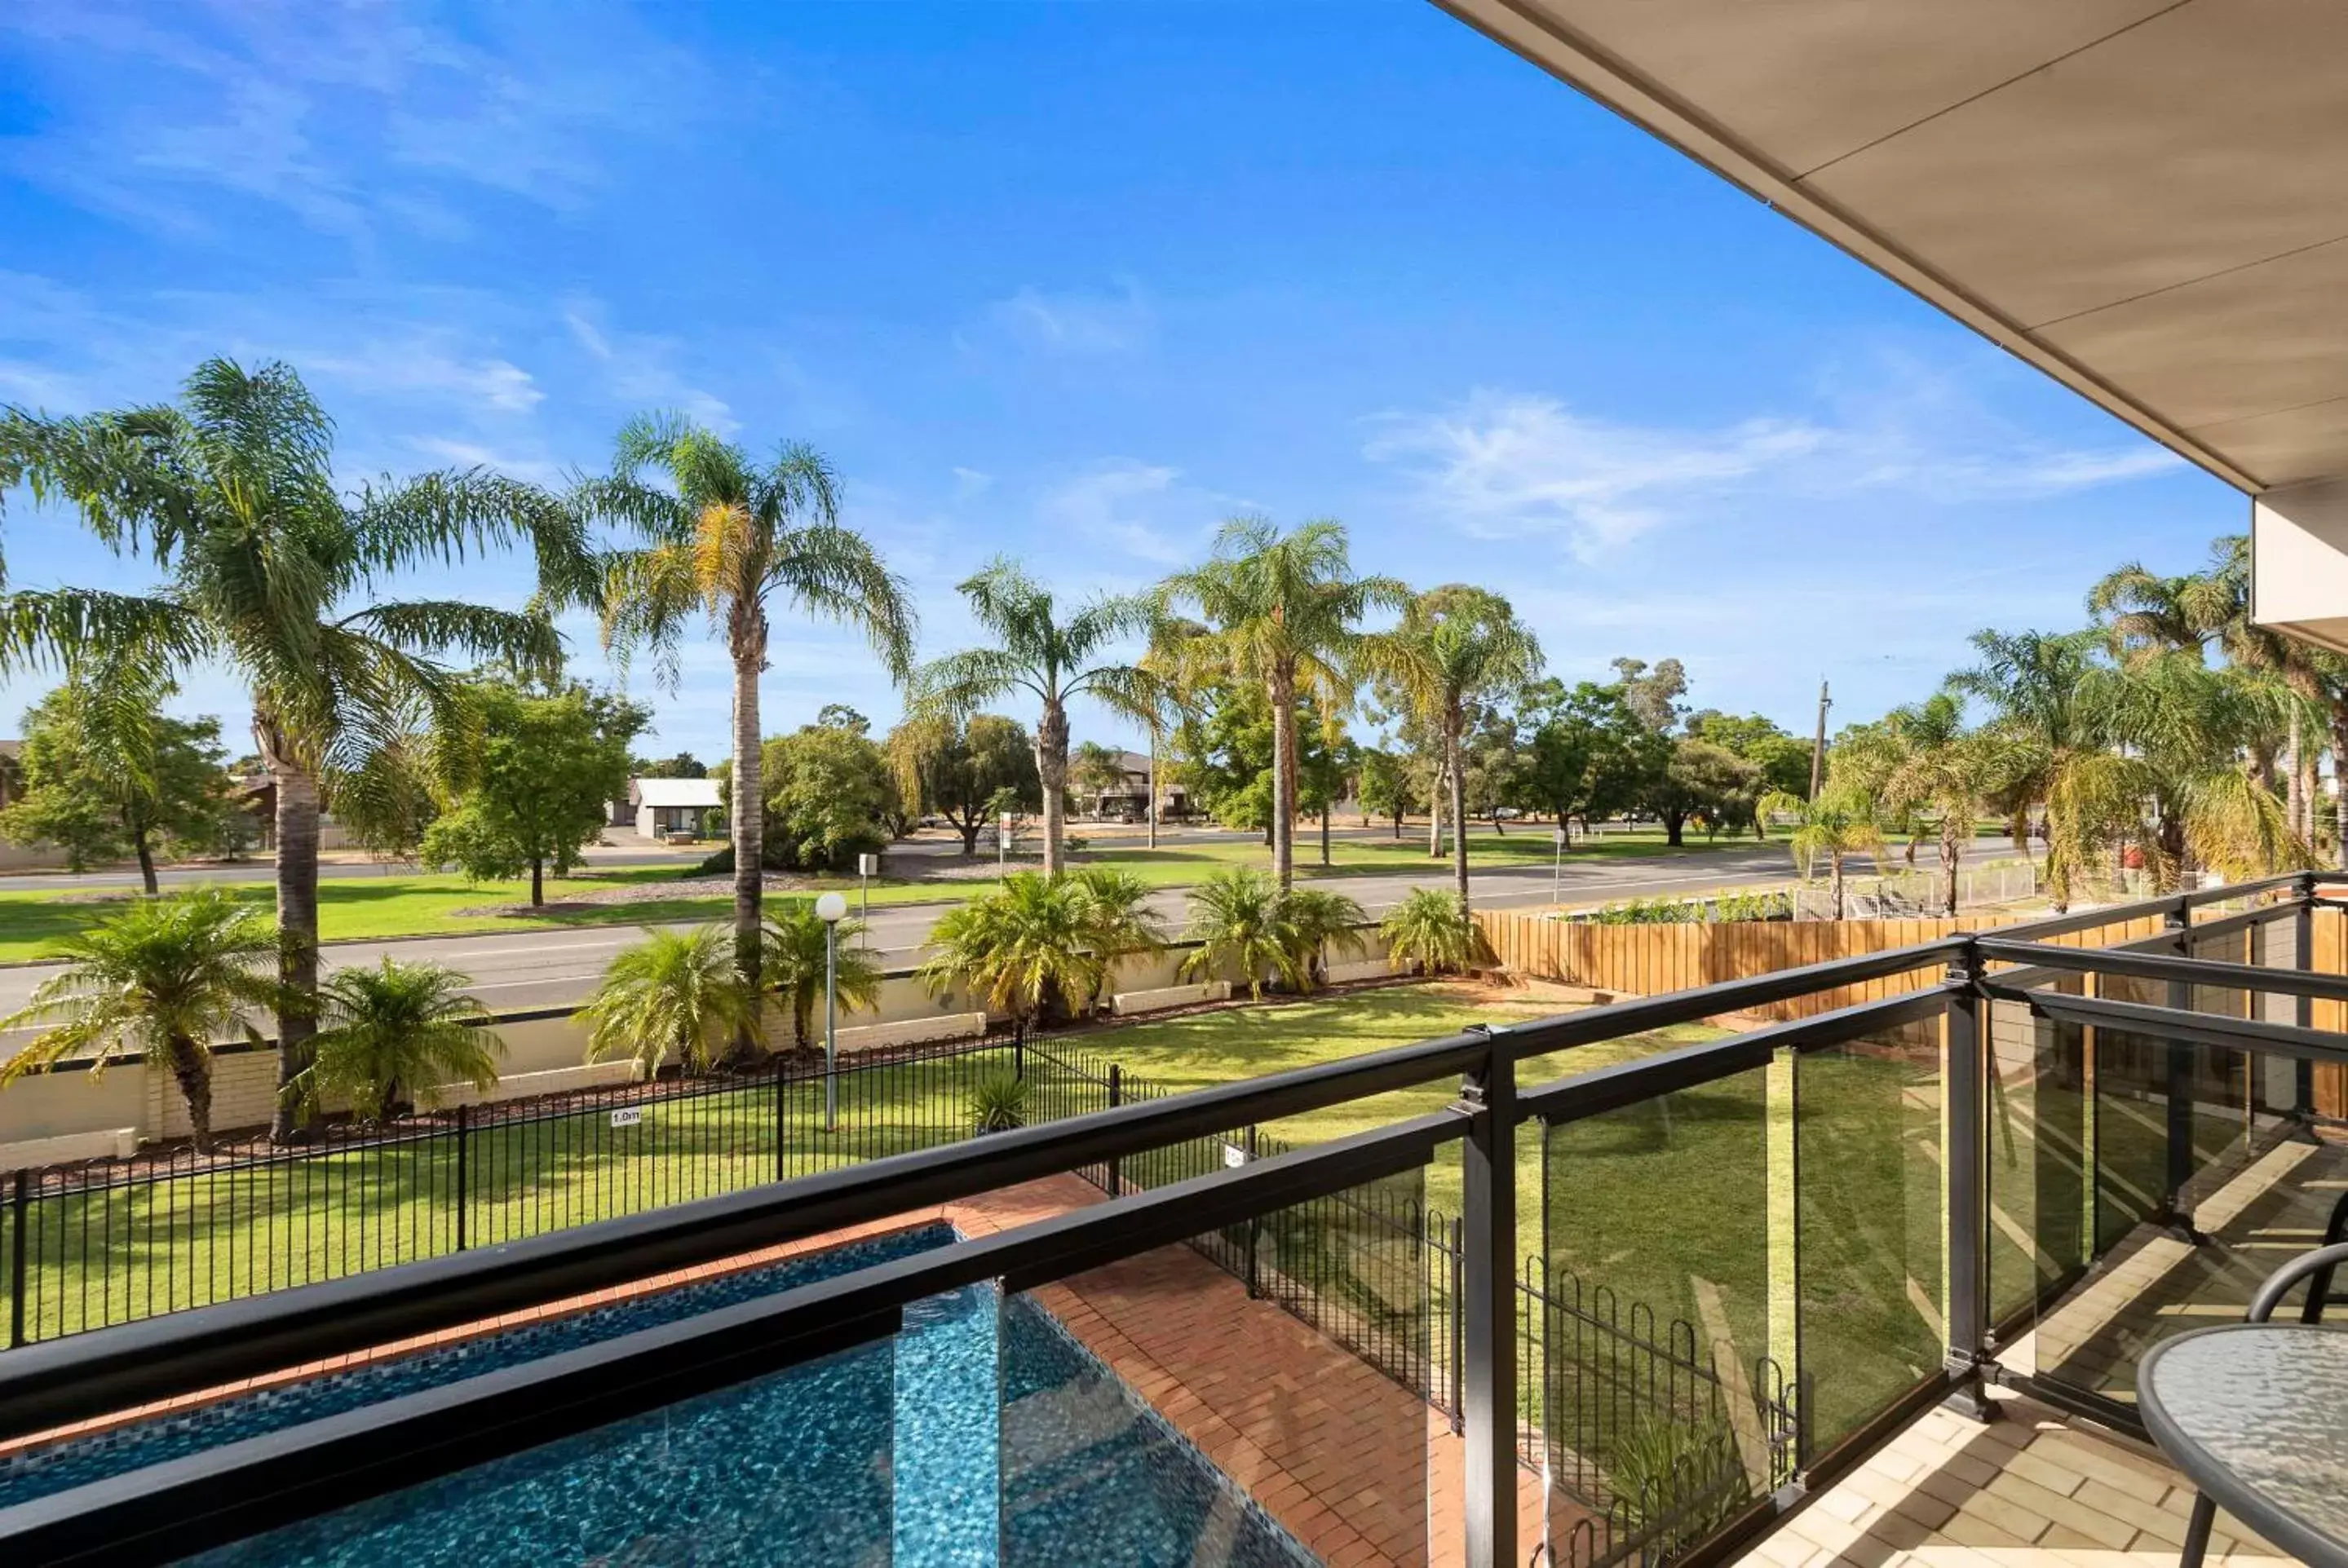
(2303, 948)
(2179, 921)
(1487, 1350)
(1964, 1085)
(1781, 1113)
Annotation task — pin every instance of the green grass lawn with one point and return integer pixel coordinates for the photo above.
(412, 903)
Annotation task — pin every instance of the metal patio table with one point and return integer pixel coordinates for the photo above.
(2256, 1414)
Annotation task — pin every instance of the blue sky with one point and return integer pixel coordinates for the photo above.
(1067, 282)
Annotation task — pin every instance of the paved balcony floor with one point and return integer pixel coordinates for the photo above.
(2030, 1489)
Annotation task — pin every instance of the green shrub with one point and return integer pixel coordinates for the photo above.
(1682, 1475)
(998, 1103)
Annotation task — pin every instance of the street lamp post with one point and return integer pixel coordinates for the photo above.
(830, 909)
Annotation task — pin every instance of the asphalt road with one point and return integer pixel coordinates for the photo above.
(547, 968)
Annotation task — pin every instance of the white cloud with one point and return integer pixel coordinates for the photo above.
(461, 454)
(639, 368)
(1074, 323)
(1507, 465)
(1135, 505)
(970, 483)
(413, 367)
(1501, 465)
(345, 115)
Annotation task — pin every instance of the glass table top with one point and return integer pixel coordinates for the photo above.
(2265, 1403)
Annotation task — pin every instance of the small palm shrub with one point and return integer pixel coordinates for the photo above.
(1432, 927)
(998, 1102)
(163, 976)
(675, 991)
(1320, 921)
(1024, 949)
(791, 964)
(393, 1029)
(1118, 921)
(1237, 919)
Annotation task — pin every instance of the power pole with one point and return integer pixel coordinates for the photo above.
(1819, 742)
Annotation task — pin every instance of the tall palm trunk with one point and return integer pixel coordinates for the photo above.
(1435, 813)
(1153, 786)
(2307, 793)
(1052, 769)
(143, 847)
(193, 1073)
(2294, 797)
(2339, 779)
(1451, 727)
(1282, 688)
(750, 824)
(1834, 881)
(1951, 850)
(297, 915)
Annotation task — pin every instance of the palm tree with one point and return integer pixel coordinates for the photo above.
(675, 991)
(1238, 920)
(166, 975)
(793, 966)
(1023, 949)
(2034, 684)
(1432, 927)
(1941, 771)
(1319, 922)
(397, 1026)
(1118, 921)
(1840, 821)
(1458, 646)
(1281, 610)
(2168, 772)
(728, 537)
(1033, 649)
(270, 570)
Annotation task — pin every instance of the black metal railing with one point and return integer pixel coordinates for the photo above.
(1634, 1410)
(109, 1242)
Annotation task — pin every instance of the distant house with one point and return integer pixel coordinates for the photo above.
(663, 808)
(1129, 801)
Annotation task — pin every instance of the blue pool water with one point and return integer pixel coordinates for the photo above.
(983, 1434)
(805, 1466)
(42, 1471)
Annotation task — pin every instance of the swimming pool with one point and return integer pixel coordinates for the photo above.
(40, 1472)
(984, 1433)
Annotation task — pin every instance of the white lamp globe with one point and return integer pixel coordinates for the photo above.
(830, 908)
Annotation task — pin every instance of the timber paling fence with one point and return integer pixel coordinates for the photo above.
(1374, 1269)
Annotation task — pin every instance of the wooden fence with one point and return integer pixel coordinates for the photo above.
(1650, 960)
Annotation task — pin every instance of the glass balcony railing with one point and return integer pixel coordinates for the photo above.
(1674, 1291)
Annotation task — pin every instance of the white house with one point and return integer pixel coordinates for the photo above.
(664, 807)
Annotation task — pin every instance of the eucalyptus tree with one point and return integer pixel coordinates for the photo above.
(721, 533)
(1036, 650)
(268, 568)
(1283, 610)
(1458, 646)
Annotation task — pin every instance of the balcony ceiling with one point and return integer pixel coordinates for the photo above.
(2146, 199)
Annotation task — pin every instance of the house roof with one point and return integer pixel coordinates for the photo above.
(672, 792)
